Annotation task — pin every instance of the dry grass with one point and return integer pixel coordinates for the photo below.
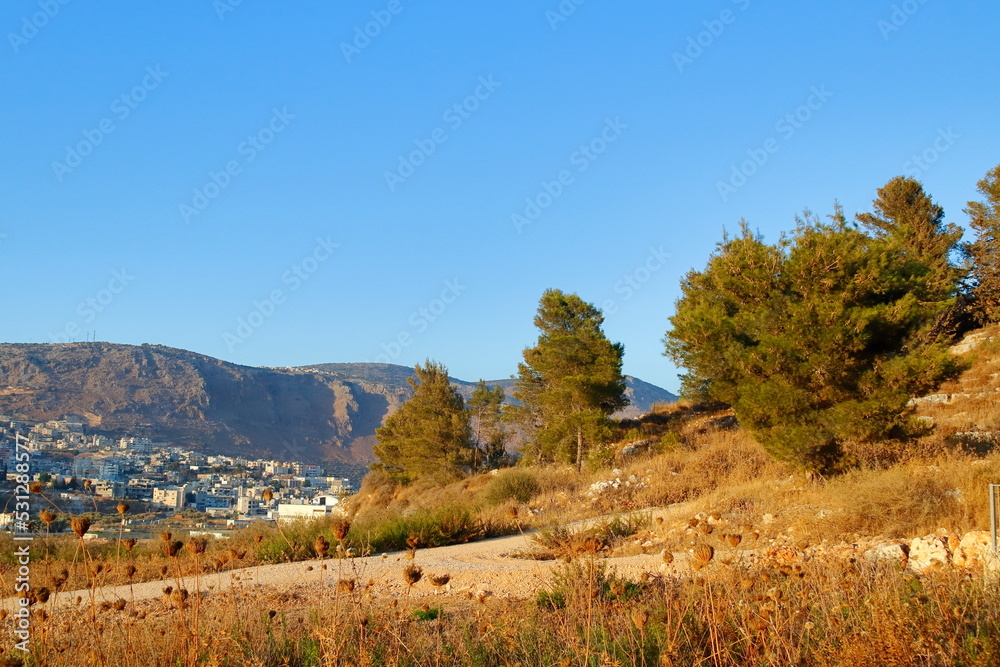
(823, 614)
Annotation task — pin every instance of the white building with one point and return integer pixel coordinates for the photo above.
(321, 506)
(171, 496)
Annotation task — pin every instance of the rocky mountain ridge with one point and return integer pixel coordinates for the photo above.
(321, 413)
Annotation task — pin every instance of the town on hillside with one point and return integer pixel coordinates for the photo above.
(86, 469)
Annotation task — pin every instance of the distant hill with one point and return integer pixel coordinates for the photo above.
(642, 395)
(325, 412)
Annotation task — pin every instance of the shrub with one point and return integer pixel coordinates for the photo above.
(511, 484)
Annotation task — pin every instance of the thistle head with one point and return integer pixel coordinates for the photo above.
(80, 525)
(412, 574)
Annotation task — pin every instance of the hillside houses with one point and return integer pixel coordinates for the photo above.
(138, 468)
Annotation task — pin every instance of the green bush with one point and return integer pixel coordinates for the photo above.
(511, 484)
(433, 528)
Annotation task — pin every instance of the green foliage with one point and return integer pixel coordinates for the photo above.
(430, 434)
(433, 528)
(491, 435)
(429, 614)
(511, 484)
(819, 341)
(550, 600)
(984, 252)
(570, 382)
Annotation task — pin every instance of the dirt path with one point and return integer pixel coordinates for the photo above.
(488, 567)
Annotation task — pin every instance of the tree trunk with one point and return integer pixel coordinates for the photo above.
(579, 448)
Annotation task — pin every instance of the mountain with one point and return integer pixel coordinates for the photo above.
(325, 412)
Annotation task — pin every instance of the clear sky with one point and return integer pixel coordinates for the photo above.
(266, 183)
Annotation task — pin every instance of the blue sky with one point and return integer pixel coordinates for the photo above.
(266, 183)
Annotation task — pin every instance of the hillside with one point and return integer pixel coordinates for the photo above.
(326, 412)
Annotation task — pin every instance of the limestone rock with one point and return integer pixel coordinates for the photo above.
(971, 549)
(925, 552)
(887, 552)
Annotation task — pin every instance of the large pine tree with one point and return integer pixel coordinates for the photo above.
(570, 382)
(984, 252)
(818, 341)
(430, 434)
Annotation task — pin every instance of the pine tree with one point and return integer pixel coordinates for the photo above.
(913, 227)
(430, 434)
(818, 341)
(570, 381)
(486, 406)
(984, 252)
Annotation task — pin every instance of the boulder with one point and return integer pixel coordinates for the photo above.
(887, 552)
(971, 549)
(926, 552)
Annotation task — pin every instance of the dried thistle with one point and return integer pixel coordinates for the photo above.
(440, 580)
(35, 487)
(412, 574)
(47, 516)
(196, 545)
(703, 553)
(640, 617)
(130, 571)
(123, 508)
(80, 525)
(166, 536)
(341, 527)
(268, 495)
(173, 548)
(413, 541)
(705, 528)
(129, 543)
(346, 585)
(321, 546)
(734, 540)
